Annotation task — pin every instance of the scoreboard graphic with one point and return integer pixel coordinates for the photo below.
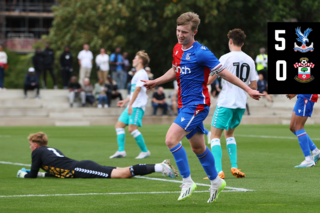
(294, 58)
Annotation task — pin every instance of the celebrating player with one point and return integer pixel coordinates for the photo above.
(133, 114)
(301, 111)
(232, 101)
(191, 66)
(57, 165)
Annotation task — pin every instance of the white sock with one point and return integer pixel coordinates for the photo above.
(315, 151)
(158, 168)
(41, 174)
(309, 158)
(216, 181)
(188, 179)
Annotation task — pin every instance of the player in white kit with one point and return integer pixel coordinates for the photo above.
(133, 114)
(232, 101)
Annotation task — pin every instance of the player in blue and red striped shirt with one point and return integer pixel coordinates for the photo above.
(191, 66)
(301, 111)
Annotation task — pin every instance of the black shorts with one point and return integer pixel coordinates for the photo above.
(90, 169)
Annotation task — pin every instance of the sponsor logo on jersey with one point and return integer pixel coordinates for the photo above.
(177, 52)
(182, 119)
(299, 110)
(304, 71)
(203, 47)
(303, 38)
(181, 70)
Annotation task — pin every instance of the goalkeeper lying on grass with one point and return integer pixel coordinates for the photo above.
(57, 165)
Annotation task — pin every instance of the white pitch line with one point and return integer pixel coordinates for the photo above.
(83, 194)
(198, 184)
(18, 164)
(268, 136)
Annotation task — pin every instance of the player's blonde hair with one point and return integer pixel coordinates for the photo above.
(39, 138)
(144, 56)
(187, 18)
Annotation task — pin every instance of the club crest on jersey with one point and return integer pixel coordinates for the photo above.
(188, 56)
(303, 38)
(304, 71)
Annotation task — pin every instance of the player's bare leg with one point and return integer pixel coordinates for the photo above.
(207, 161)
(121, 153)
(232, 151)
(173, 138)
(143, 169)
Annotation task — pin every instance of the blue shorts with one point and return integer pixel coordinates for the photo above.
(191, 118)
(303, 107)
(226, 118)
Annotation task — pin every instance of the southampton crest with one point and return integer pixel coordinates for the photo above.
(303, 38)
(304, 71)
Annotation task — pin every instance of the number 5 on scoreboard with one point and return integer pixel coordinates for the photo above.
(283, 41)
(284, 68)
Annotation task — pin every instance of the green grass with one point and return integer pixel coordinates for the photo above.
(268, 164)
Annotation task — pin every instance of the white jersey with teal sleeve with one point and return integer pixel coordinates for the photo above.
(242, 66)
(142, 97)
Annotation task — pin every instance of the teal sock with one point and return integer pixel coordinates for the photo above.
(217, 153)
(232, 151)
(139, 139)
(121, 136)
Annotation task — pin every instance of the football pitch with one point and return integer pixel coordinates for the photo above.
(267, 155)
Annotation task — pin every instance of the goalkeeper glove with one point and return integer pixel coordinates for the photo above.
(21, 173)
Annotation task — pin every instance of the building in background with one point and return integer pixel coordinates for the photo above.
(23, 22)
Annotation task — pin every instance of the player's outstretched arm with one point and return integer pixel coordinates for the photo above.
(253, 85)
(168, 76)
(211, 79)
(226, 75)
(123, 102)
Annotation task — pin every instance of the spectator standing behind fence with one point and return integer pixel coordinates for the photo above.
(263, 87)
(85, 58)
(100, 93)
(38, 63)
(159, 100)
(31, 82)
(3, 65)
(150, 75)
(112, 91)
(125, 68)
(130, 76)
(48, 62)
(88, 90)
(116, 67)
(102, 62)
(215, 88)
(66, 61)
(262, 63)
(75, 91)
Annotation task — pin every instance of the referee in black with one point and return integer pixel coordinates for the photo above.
(57, 165)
